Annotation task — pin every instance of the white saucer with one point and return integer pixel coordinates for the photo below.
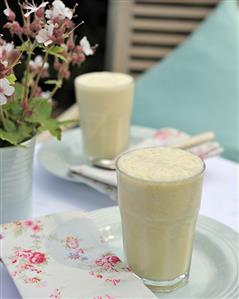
(57, 157)
(215, 263)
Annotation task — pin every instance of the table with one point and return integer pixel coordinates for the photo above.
(52, 195)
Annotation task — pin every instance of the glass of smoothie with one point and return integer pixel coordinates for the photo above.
(159, 193)
(105, 102)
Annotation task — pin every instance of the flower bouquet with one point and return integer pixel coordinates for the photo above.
(46, 36)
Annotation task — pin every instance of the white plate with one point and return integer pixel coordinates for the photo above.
(214, 270)
(56, 157)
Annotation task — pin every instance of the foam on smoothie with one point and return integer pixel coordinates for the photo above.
(104, 80)
(160, 164)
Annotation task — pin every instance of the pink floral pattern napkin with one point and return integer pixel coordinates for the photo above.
(64, 256)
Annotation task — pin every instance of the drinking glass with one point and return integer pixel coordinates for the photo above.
(105, 102)
(158, 221)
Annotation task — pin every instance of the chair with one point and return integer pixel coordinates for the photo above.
(143, 32)
(196, 88)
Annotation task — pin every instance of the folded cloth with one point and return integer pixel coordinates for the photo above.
(105, 180)
(66, 256)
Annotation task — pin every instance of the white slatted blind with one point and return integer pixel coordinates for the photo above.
(142, 32)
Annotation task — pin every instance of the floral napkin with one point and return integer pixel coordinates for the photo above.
(105, 181)
(64, 256)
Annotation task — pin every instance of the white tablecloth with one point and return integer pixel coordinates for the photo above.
(51, 195)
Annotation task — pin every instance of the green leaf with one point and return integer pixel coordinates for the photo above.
(56, 51)
(61, 57)
(10, 137)
(11, 79)
(19, 135)
(41, 110)
(14, 110)
(19, 91)
(58, 83)
(29, 79)
(66, 123)
(52, 82)
(41, 117)
(53, 126)
(8, 125)
(27, 46)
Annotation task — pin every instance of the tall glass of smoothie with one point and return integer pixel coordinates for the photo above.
(159, 193)
(105, 101)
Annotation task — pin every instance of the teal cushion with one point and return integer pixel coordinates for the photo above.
(196, 88)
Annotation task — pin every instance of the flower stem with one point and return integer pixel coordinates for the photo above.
(54, 91)
(57, 86)
(25, 97)
(1, 114)
(39, 75)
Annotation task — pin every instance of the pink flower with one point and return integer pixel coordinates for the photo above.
(14, 27)
(113, 281)
(162, 135)
(8, 58)
(72, 242)
(107, 262)
(11, 16)
(35, 26)
(27, 253)
(45, 35)
(113, 259)
(56, 294)
(96, 275)
(14, 273)
(32, 8)
(28, 223)
(1, 237)
(36, 228)
(37, 258)
(34, 280)
(6, 90)
(5, 49)
(78, 56)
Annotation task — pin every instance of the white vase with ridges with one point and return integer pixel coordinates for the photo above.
(16, 181)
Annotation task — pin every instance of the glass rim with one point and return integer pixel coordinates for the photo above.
(78, 81)
(156, 181)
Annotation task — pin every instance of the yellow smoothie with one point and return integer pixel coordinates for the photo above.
(159, 191)
(105, 101)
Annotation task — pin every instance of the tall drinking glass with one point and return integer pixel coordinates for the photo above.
(159, 193)
(105, 101)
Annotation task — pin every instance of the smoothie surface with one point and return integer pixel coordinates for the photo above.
(104, 80)
(160, 164)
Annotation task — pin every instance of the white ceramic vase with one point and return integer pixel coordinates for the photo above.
(16, 181)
